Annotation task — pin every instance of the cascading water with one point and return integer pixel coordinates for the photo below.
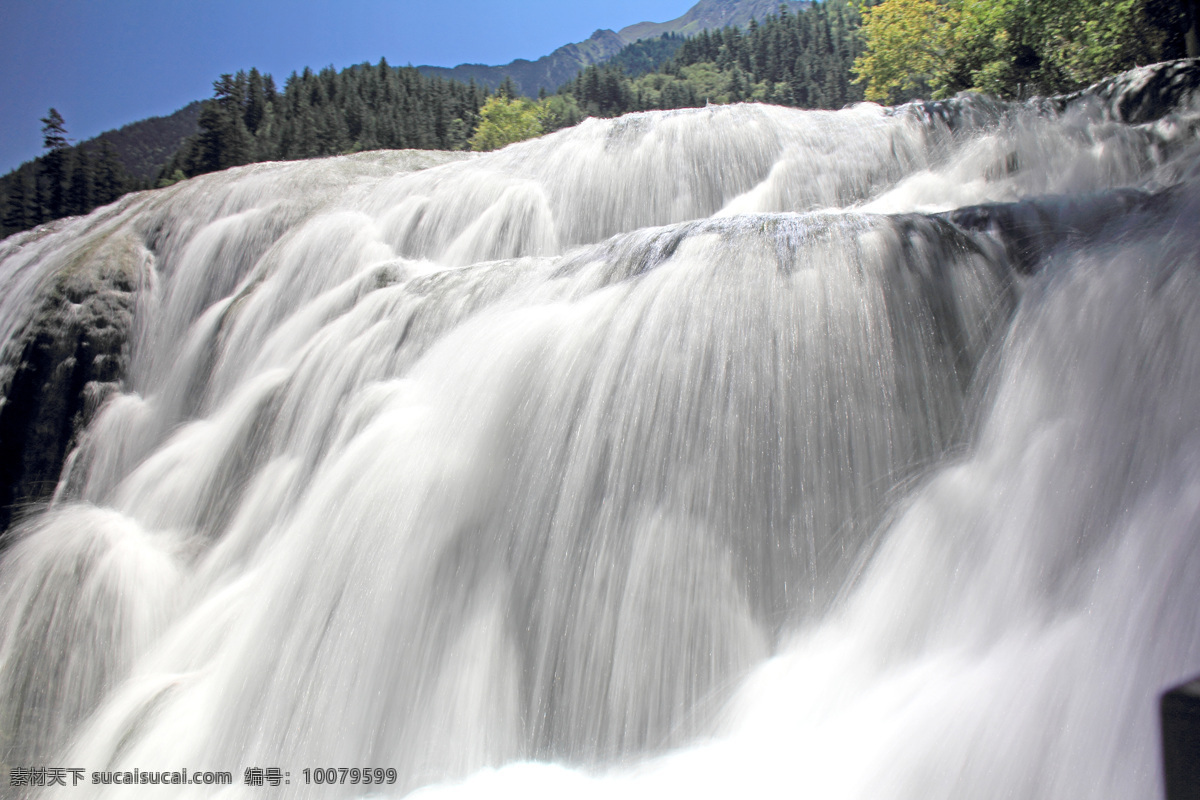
(691, 452)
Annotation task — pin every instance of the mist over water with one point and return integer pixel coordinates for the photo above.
(692, 453)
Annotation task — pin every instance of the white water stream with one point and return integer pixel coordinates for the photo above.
(681, 455)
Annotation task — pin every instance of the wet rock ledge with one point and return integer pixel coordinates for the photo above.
(71, 353)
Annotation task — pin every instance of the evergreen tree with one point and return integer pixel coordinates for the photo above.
(54, 164)
(19, 212)
(110, 175)
(508, 89)
(224, 140)
(256, 100)
(80, 192)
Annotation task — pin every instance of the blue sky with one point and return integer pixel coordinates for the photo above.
(104, 63)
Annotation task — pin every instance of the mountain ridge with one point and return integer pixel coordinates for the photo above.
(548, 72)
(553, 70)
(144, 145)
(708, 14)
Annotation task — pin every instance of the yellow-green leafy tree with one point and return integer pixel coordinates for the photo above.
(1011, 48)
(906, 46)
(504, 120)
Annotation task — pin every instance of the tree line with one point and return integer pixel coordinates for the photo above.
(65, 181)
(330, 112)
(800, 59)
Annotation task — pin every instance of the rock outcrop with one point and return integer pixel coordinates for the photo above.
(70, 355)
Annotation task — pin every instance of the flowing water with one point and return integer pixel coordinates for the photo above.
(691, 453)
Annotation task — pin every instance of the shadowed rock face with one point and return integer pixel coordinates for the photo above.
(72, 355)
(1029, 230)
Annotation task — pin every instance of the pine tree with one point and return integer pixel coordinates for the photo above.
(110, 175)
(19, 211)
(508, 89)
(54, 166)
(224, 140)
(81, 186)
(256, 100)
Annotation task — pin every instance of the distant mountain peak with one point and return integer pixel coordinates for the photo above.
(708, 14)
(551, 71)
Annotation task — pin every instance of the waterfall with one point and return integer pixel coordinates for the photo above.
(728, 451)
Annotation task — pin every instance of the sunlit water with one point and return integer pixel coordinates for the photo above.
(689, 454)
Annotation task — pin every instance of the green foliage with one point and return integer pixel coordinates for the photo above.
(1080, 42)
(559, 111)
(1011, 48)
(906, 42)
(504, 120)
(170, 180)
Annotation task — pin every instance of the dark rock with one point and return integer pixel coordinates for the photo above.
(1029, 230)
(1144, 94)
(72, 355)
(1179, 712)
(1135, 97)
